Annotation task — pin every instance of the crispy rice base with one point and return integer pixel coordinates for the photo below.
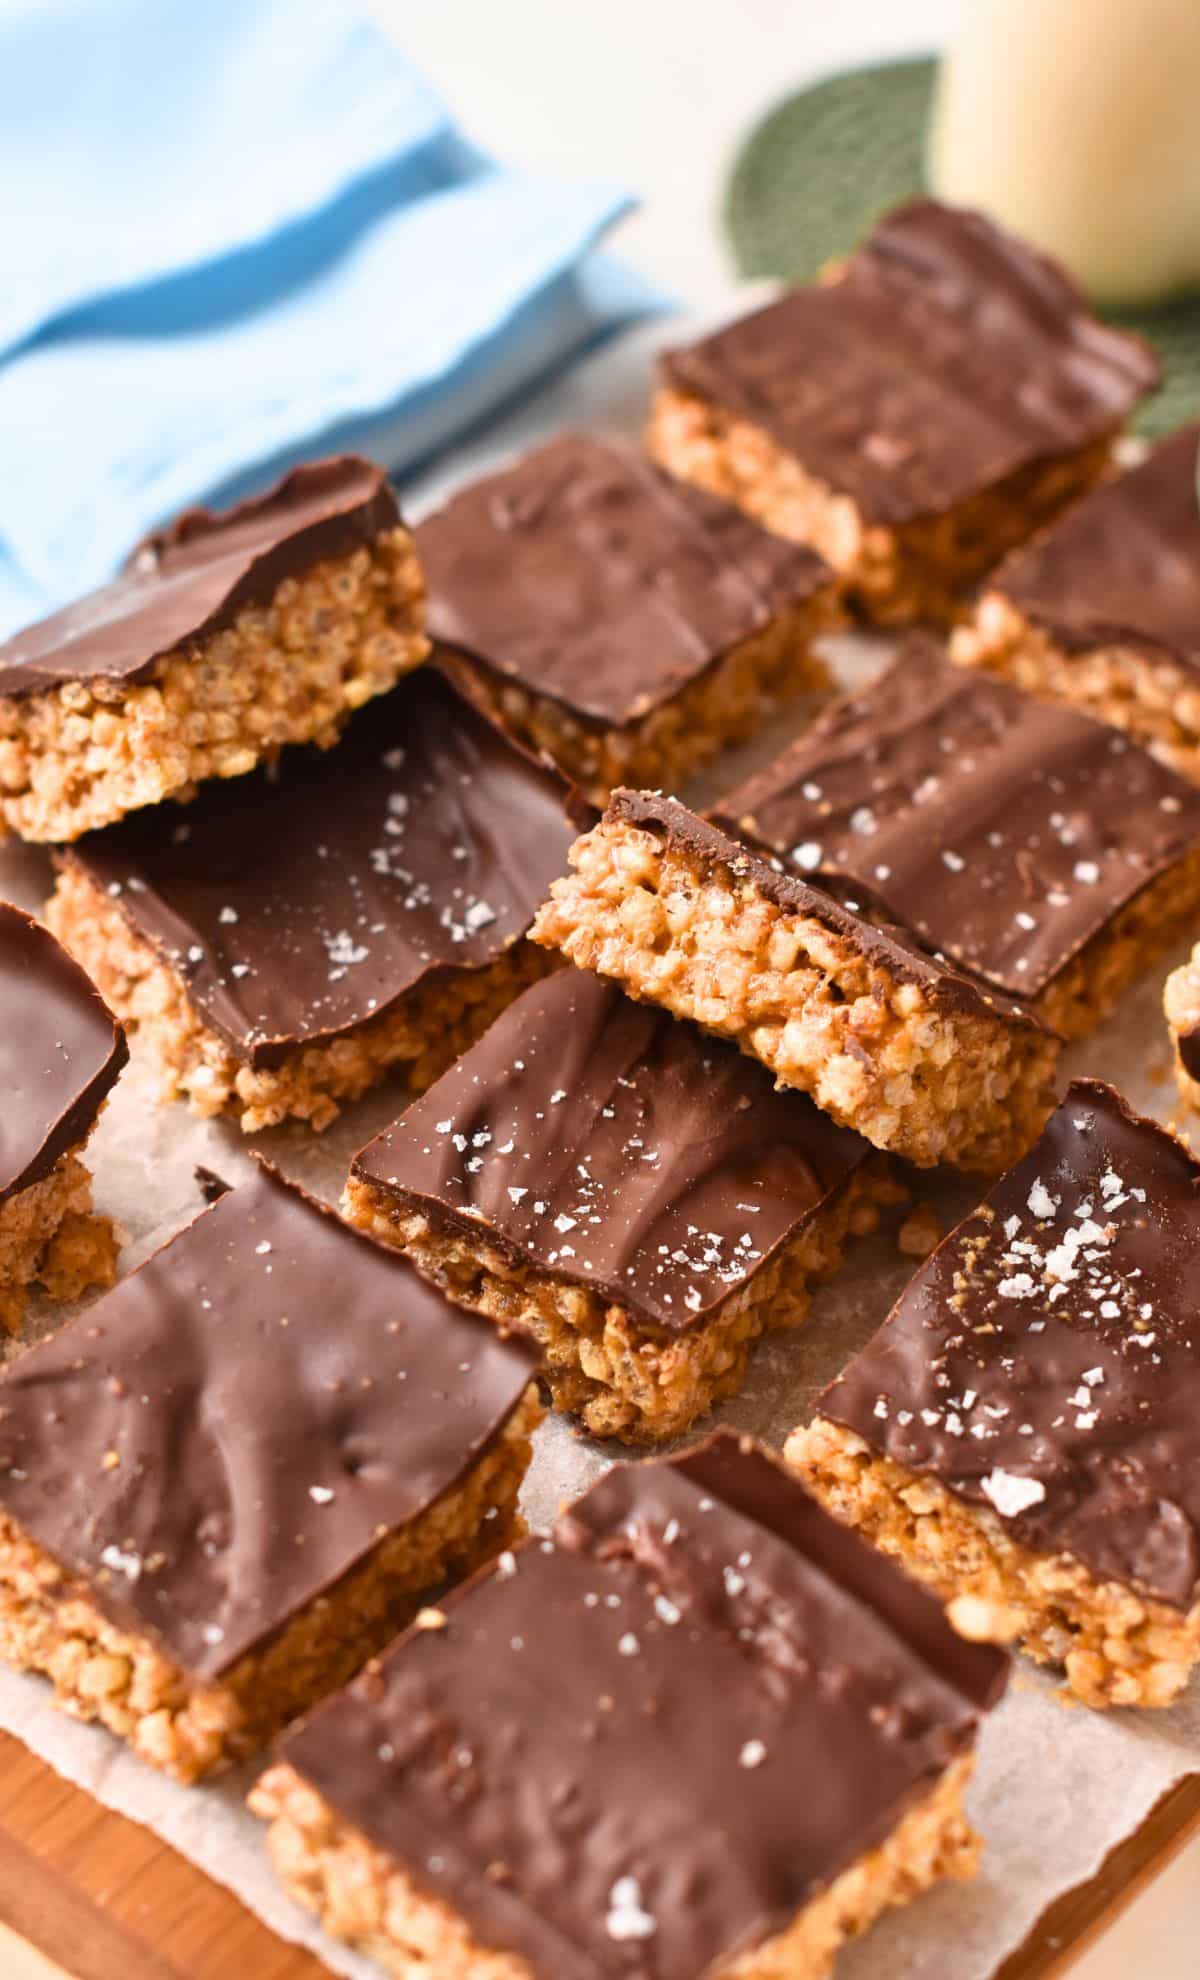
(422, 1034)
(619, 1375)
(919, 570)
(368, 1900)
(1114, 1646)
(661, 749)
(49, 1235)
(1181, 1006)
(934, 1085)
(1148, 695)
(85, 753)
(1088, 988)
(50, 1624)
(1092, 984)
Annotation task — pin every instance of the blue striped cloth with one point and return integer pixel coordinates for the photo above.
(237, 234)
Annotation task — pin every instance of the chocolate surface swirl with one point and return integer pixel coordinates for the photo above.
(603, 1142)
(232, 1428)
(298, 902)
(1045, 1361)
(946, 357)
(193, 577)
(639, 1749)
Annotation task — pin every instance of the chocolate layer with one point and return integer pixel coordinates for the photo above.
(1004, 833)
(947, 356)
(711, 1700)
(1045, 1360)
(235, 1426)
(298, 902)
(586, 574)
(194, 577)
(61, 1050)
(1187, 1044)
(890, 948)
(1122, 567)
(607, 1145)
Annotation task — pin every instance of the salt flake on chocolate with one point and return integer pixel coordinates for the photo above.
(1010, 1494)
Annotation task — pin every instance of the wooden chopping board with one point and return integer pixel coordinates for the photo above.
(87, 1894)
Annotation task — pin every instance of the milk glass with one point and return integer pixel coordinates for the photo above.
(1077, 123)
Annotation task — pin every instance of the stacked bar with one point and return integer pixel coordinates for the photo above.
(1046, 853)
(919, 1058)
(237, 1476)
(700, 1732)
(635, 1197)
(626, 623)
(61, 1052)
(1102, 612)
(1023, 1431)
(227, 636)
(913, 417)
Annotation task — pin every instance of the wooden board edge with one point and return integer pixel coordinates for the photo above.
(65, 1887)
(106, 1899)
(1080, 1916)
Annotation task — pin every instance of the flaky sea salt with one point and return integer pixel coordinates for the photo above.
(1010, 1494)
(128, 1564)
(627, 1916)
(1041, 1203)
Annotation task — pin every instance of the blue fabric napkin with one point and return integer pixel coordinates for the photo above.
(247, 232)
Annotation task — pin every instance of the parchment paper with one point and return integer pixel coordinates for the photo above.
(1056, 1786)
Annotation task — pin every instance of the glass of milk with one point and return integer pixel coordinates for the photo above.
(1077, 123)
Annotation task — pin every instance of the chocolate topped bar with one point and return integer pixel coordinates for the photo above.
(893, 947)
(1004, 833)
(61, 1050)
(194, 577)
(1123, 566)
(698, 1639)
(1045, 1361)
(223, 1436)
(587, 574)
(611, 1146)
(947, 356)
(298, 903)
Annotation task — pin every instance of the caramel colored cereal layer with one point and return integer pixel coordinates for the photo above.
(618, 1374)
(931, 1084)
(1148, 695)
(85, 753)
(50, 1624)
(727, 704)
(1114, 1646)
(365, 1899)
(424, 1033)
(49, 1235)
(1089, 989)
(920, 570)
